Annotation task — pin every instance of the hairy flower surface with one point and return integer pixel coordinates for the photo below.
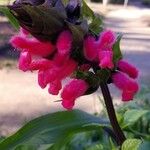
(32, 45)
(64, 42)
(105, 58)
(128, 86)
(24, 61)
(106, 40)
(72, 91)
(127, 68)
(90, 48)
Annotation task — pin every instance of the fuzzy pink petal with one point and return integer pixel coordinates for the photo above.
(64, 42)
(73, 90)
(59, 59)
(32, 45)
(41, 64)
(42, 78)
(55, 87)
(106, 59)
(126, 84)
(67, 69)
(127, 96)
(107, 39)
(24, 61)
(68, 104)
(127, 68)
(90, 48)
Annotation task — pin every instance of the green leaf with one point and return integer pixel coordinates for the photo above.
(10, 17)
(131, 144)
(51, 128)
(25, 147)
(78, 31)
(131, 116)
(2, 138)
(116, 50)
(86, 11)
(144, 146)
(96, 25)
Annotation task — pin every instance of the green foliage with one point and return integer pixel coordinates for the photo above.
(96, 25)
(133, 115)
(56, 129)
(78, 31)
(117, 55)
(76, 130)
(10, 17)
(131, 144)
(94, 20)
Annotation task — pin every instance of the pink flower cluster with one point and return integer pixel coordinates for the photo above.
(54, 63)
(101, 51)
(51, 72)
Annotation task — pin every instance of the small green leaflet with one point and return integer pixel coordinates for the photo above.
(10, 17)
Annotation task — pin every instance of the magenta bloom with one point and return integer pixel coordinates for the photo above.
(56, 73)
(55, 87)
(42, 78)
(106, 40)
(41, 64)
(24, 61)
(64, 42)
(128, 86)
(72, 91)
(106, 59)
(32, 45)
(127, 68)
(90, 48)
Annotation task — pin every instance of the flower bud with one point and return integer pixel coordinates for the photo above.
(128, 86)
(72, 91)
(127, 68)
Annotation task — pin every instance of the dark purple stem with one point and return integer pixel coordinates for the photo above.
(111, 113)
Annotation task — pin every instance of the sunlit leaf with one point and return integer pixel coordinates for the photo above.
(52, 128)
(131, 144)
(131, 116)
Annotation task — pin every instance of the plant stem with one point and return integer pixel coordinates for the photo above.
(111, 114)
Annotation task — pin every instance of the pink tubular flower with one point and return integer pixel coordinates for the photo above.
(56, 73)
(128, 86)
(41, 64)
(64, 42)
(60, 59)
(90, 48)
(67, 70)
(42, 78)
(106, 40)
(127, 68)
(55, 87)
(105, 59)
(32, 45)
(72, 91)
(24, 61)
